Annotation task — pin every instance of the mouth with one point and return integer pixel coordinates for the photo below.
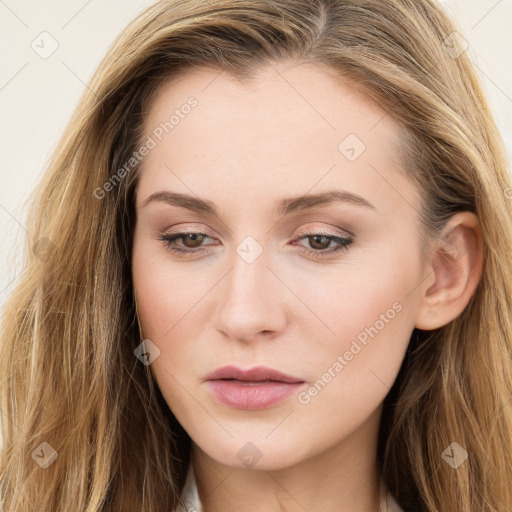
(253, 389)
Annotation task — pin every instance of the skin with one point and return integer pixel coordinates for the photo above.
(245, 147)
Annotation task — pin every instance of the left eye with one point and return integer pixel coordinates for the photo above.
(318, 241)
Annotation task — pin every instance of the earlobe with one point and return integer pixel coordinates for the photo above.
(456, 268)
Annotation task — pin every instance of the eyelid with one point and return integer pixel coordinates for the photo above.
(193, 228)
(172, 230)
(327, 232)
(302, 234)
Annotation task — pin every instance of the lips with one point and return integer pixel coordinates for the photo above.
(253, 389)
(258, 374)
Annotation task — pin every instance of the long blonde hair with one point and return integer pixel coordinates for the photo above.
(69, 374)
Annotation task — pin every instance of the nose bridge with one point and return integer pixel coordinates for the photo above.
(250, 301)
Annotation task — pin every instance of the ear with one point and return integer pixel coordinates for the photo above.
(454, 271)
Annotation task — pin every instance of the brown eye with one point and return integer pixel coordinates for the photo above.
(192, 240)
(315, 242)
(320, 244)
(184, 243)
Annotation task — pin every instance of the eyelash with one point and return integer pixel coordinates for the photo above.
(344, 243)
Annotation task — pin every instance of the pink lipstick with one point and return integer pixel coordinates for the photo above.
(256, 388)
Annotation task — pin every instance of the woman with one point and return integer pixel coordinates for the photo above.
(268, 269)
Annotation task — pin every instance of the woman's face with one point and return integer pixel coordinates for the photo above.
(274, 274)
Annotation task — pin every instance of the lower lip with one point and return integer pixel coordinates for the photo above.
(254, 395)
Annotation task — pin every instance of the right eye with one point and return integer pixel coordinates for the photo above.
(191, 240)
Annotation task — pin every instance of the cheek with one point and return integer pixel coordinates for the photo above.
(166, 292)
(362, 292)
(164, 301)
(172, 301)
(367, 318)
(354, 369)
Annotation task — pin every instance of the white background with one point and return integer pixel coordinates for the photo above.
(37, 96)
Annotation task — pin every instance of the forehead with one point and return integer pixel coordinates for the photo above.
(312, 93)
(286, 128)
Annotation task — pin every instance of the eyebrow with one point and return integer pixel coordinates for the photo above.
(283, 207)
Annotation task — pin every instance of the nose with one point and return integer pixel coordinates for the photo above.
(250, 301)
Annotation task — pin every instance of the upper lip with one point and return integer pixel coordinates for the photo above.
(255, 374)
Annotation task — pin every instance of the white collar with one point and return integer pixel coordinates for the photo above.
(190, 496)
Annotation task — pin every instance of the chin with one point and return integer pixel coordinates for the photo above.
(255, 452)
